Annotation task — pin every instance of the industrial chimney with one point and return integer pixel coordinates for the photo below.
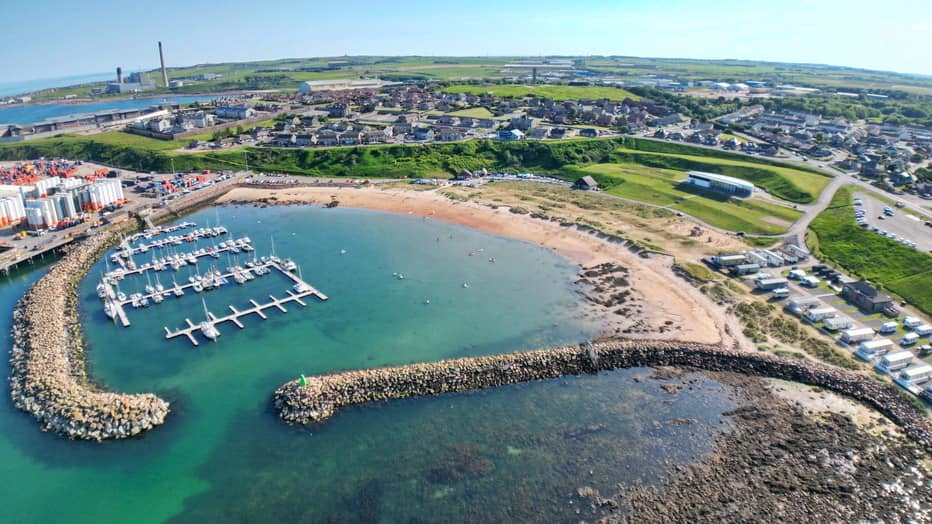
(119, 75)
(164, 71)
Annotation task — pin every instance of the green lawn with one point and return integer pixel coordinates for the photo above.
(119, 138)
(661, 187)
(556, 92)
(473, 112)
(783, 182)
(902, 270)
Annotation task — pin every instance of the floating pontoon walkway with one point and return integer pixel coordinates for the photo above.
(256, 309)
(170, 290)
(147, 266)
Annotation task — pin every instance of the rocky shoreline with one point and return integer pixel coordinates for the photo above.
(321, 396)
(48, 369)
(48, 377)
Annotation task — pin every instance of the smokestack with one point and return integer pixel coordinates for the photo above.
(119, 75)
(164, 71)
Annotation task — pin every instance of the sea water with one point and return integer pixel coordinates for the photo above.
(515, 453)
(33, 113)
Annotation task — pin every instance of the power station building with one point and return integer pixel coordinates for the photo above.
(721, 183)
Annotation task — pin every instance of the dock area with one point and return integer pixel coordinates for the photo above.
(117, 304)
(126, 251)
(301, 290)
(171, 290)
(239, 244)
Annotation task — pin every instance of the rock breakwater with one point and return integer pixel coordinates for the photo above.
(48, 376)
(319, 397)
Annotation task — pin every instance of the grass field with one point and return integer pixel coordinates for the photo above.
(783, 182)
(897, 268)
(473, 112)
(555, 92)
(662, 187)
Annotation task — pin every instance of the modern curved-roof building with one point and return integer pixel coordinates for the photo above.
(721, 183)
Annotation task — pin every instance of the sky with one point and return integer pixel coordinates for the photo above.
(55, 38)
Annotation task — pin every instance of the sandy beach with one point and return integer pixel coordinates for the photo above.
(666, 307)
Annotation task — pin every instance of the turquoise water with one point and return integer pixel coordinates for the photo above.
(510, 454)
(30, 114)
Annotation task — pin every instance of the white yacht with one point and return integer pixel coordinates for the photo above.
(207, 327)
(109, 309)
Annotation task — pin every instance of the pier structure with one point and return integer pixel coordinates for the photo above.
(126, 250)
(301, 290)
(123, 272)
(170, 290)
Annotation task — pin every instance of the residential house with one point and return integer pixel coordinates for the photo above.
(424, 134)
(522, 123)
(539, 133)
(328, 138)
(350, 138)
(589, 132)
(902, 178)
(339, 110)
(235, 112)
(511, 134)
(304, 139)
(448, 134)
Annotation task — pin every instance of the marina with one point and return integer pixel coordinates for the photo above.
(116, 302)
(207, 327)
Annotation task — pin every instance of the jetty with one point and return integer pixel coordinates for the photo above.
(235, 247)
(126, 250)
(300, 290)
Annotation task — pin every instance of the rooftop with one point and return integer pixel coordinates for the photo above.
(722, 179)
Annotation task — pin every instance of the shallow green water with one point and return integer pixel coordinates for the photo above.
(514, 453)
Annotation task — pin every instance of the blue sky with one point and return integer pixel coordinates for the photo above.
(52, 38)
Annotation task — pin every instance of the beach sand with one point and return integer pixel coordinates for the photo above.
(667, 307)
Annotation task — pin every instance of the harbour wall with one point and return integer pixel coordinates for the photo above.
(48, 372)
(323, 395)
(48, 367)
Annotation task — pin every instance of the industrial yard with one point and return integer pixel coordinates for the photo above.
(47, 204)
